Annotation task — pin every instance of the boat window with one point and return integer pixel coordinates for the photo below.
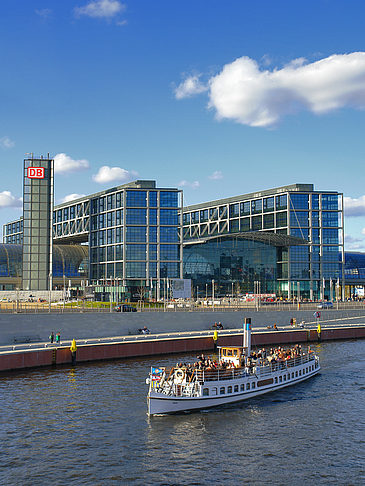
(247, 386)
(243, 387)
(306, 370)
(229, 352)
(253, 385)
(229, 389)
(280, 379)
(300, 372)
(296, 374)
(235, 352)
(222, 391)
(205, 392)
(284, 377)
(223, 352)
(235, 388)
(215, 391)
(276, 379)
(288, 376)
(292, 375)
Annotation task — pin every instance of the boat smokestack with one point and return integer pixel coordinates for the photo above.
(247, 336)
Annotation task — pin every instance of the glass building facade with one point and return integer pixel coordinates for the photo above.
(133, 234)
(306, 271)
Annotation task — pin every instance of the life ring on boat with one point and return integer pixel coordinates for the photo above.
(179, 375)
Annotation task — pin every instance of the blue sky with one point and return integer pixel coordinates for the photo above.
(218, 98)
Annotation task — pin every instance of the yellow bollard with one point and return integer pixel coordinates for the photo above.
(73, 346)
(73, 352)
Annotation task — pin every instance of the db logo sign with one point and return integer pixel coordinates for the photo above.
(35, 172)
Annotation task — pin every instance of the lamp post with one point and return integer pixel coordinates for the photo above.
(213, 293)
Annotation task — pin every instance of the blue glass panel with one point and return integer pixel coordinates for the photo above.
(169, 252)
(136, 216)
(299, 219)
(315, 201)
(153, 252)
(329, 219)
(168, 216)
(281, 202)
(153, 199)
(136, 234)
(137, 199)
(168, 199)
(169, 234)
(330, 201)
(135, 269)
(299, 201)
(153, 216)
(136, 252)
(153, 234)
(169, 270)
(330, 236)
(153, 270)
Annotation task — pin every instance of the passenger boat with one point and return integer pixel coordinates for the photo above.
(236, 377)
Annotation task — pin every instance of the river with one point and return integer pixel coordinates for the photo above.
(88, 426)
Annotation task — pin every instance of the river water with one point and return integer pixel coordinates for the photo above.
(88, 426)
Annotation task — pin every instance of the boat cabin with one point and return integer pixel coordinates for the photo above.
(231, 355)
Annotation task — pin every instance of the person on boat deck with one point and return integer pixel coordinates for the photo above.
(220, 325)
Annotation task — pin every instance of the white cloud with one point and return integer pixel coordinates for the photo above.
(217, 174)
(354, 206)
(101, 9)
(71, 197)
(6, 143)
(363, 231)
(190, 87)
(64, 164)
(192, 185)
(44, 13)
(260, 98)
(354, 243)
(7, 200)
(110, 174)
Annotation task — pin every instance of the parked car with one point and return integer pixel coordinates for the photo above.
(124, 308)
(325, 305)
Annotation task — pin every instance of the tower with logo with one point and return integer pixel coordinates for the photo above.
(37, 223)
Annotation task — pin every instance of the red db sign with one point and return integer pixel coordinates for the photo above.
(35, 172)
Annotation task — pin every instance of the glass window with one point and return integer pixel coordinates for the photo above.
(169, 234)
(268, 204)
(234, 226)
(102, 204)
(315, 236)
(169, 216)
(135, 269)
(170, 270)
(299, 219)
(110, 236)
(281, 219)
(137, 199)
(299, 201)
(330, 253)
(329, 219)
(119, 217)
(281, 202)
(136, 252)
(136, 234)
(110, 202)
(234, 210)
(153, 270)
(329, 236)
(102, 237)
(315, 253)
(153, 252)
(245, 208)
(256, 206)
(153, 199)
(186, 218)
(256, 223)
(153, 234)
(268, 221)
(204, 215)
(194, 217)
(111, 219)
(118, 235)
(136, 216)
(315, 201)
(110, 253)
(315, 219)
(118, 200)
(101, 220)
(152, 216)
(300, 232)
(169, 252)
(168, 199)
(245, 224)
(330, 201)
(119, 252)
(213, 214)
(223, 212)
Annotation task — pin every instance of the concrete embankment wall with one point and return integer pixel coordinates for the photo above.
(148, 347)
(37, 327)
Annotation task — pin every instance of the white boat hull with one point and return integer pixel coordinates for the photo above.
(159, 403)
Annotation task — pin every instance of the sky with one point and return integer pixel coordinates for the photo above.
(216, 98)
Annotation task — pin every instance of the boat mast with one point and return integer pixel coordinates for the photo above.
(247, 336)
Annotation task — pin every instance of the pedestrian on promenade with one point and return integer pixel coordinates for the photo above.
(58, 338)
(51, 337)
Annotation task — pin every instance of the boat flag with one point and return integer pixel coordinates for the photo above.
(156, 373)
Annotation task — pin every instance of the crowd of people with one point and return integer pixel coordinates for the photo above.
(262, 357)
